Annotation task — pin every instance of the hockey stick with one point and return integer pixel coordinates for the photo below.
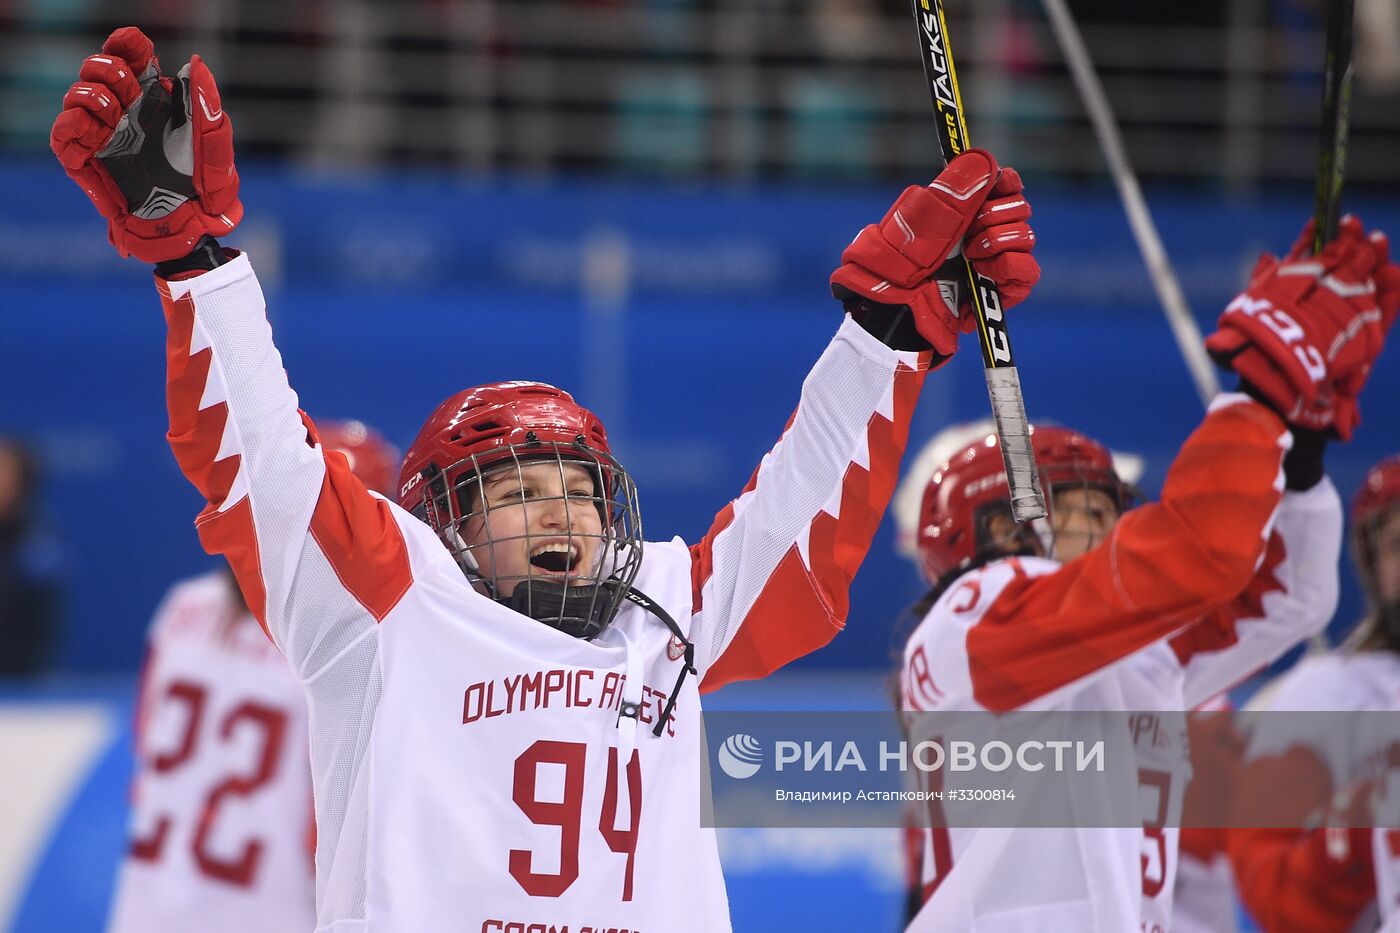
(1154, 255)
(1336, 120)
(1003, 381)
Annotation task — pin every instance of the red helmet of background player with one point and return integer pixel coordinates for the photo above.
(970, 487)
(507, 424)
(1374, 502)
(372, 459)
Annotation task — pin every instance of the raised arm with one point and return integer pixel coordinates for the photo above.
(1163, 565)
(1304, 337)
(772, 575)
(279, 510)
(1166, 566)
(155, 154)
(1291, 598)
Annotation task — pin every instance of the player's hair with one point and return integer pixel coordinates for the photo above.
(1376, 505)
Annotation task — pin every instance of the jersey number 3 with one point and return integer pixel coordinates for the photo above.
(567, 814)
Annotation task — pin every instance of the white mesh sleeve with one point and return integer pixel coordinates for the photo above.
(772, 575)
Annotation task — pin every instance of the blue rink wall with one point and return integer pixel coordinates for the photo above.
(686, 317)
(688, 328)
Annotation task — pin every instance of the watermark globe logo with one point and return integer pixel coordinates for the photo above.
(740, 756)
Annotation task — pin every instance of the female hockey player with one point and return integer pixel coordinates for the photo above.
(503, 681)
(1342, 875)
(1152, 610)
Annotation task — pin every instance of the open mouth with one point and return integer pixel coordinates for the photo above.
(555, 558)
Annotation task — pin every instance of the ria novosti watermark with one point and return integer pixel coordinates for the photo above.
(741, 756)
(1036, 769)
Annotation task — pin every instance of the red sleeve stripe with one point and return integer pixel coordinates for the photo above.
(232, 534)
(361, 540)
(196, 431)
(702, 554)
(197, 438)
(354, 530)
(804, 603)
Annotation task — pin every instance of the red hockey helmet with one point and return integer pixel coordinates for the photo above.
(970, 487)
(1379, 491)
(1371, 507)
(372, 459)
(505, 425)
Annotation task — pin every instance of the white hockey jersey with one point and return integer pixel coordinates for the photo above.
(1203, 898)
(221, 818)
(1185, 597)
(1292, 878)
(470, 766)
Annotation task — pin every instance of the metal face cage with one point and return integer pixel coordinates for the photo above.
(552, 530)
(1039, 536)
(1071, 478)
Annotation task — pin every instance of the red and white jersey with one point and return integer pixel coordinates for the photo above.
(221, 816)
(1297, 879)
(1184, 597)
(471, 769)
(1203, 899)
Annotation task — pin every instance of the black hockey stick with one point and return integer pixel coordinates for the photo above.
(1003, 381)
(1336, 120)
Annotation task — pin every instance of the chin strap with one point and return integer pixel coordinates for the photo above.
(637, 597)
(549, 601)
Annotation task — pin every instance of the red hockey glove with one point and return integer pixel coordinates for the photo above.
(903, 260)
(1306, 330)
(154, 154)
(999, 244)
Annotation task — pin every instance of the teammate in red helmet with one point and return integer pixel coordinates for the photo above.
(221, 827)
(1375, 543)
(503, 680)
(965, 515)
(1342, 875)
(1099, 607)
(374, 461)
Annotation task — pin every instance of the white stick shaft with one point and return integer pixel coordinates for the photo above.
(1013, 430)
(1159, 267)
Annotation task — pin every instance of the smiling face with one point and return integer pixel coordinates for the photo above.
(1081, 517)
(540, 520)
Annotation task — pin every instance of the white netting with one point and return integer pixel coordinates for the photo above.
(330, 640)
(335, 643)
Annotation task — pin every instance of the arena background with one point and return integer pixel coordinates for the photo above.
(641, 202)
